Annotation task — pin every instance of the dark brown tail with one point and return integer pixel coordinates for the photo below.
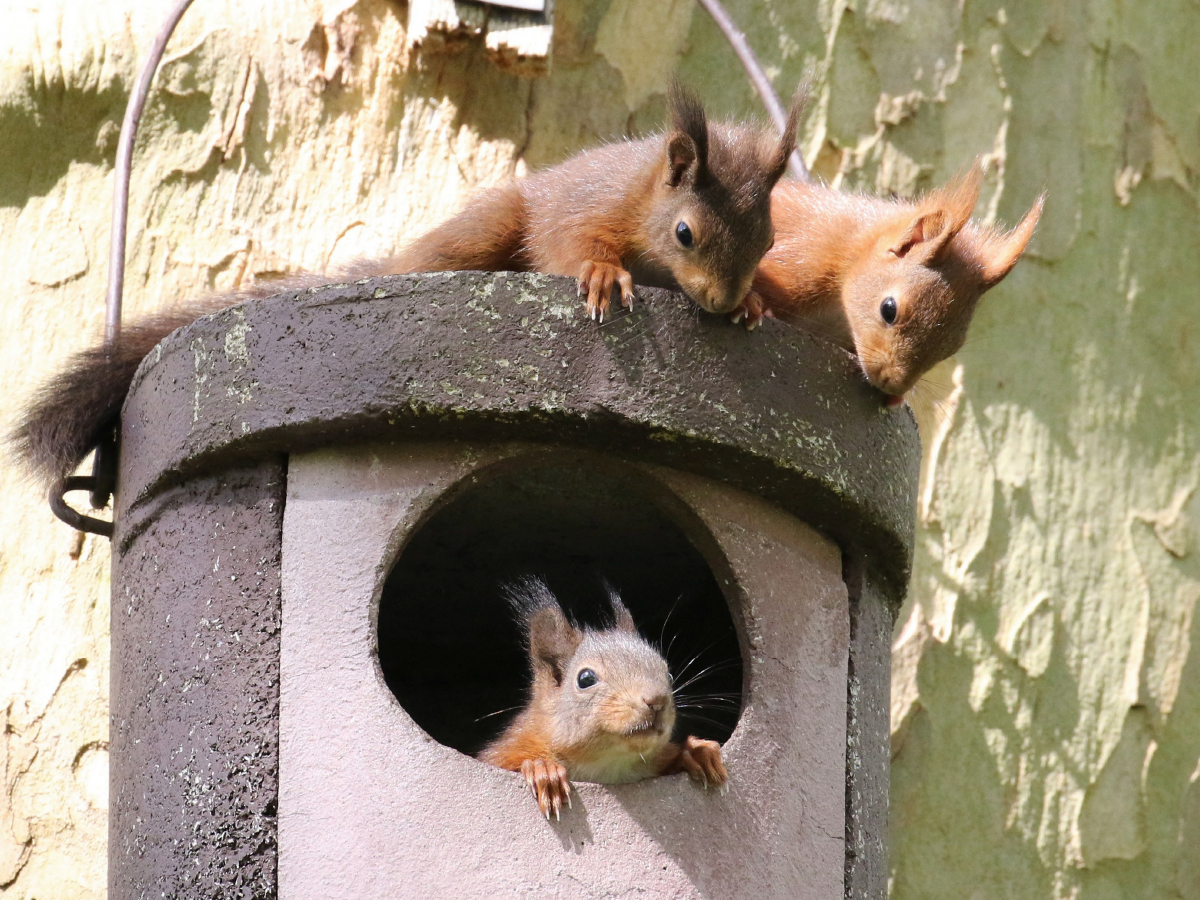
(74, 409)
(71, 411)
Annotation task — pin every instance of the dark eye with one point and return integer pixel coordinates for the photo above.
(887, 309)
(684, 234)
(586, 678)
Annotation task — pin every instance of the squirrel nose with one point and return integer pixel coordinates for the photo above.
(889, 379)
(658, 704)
(725, 301)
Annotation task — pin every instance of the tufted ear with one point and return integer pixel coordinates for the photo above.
(552, 642)
(622, 619)
(925, 237)
(552, 638)
(1001, 252)
(776, 161)
(687, 145)
(939, 218)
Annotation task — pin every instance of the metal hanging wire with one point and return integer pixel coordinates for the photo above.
(101, 482)
(758, 78)
(120, 213)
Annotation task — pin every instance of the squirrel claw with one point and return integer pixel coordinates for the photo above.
(701, 759)
(550, 785)
(597, 280)
(752, 310)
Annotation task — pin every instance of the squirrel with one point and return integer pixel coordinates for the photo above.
(894, 282)
(600, 707)
(690, 208)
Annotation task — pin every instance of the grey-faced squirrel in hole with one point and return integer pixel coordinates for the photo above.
(690, 208)
(600, 708)
(895, 282)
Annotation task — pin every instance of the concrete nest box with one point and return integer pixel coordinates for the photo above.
(320, 495)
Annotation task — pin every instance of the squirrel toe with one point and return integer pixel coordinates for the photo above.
(701, 759)
(752, 310)
(625, 280)
(598, 279)
(550, 785)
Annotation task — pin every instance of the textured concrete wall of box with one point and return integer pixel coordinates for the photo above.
(319, 496)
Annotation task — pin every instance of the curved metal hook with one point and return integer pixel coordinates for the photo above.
(72, 516)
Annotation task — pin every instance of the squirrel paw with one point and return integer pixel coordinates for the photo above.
(752, 310)
(701, 759)
(597, 279)
(550, 785)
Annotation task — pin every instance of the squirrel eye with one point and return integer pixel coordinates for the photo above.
(684, 234)
(887, 309)
(586, 678)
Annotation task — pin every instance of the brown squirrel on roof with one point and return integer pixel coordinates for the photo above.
(894, 282)
(690, 208)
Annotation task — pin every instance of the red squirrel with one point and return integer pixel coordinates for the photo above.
(690, 208)
(894, 282)
(600, 707)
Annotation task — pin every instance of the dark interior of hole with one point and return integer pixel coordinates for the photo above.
(450, 648)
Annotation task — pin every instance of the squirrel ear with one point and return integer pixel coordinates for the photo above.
(552, 641)
(622, 619)
(681, 156)
(552, 638)
(687, 147)
(1001, 253)
(779, 154)
(926, 236)
(939, 218)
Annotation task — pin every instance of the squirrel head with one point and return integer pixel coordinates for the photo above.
(607, 690)
(711, 216)
(910, 298)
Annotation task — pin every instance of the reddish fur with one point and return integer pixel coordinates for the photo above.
(560, 734)
(836, 255)
(599, 217)
(486, 236)
(511, 749)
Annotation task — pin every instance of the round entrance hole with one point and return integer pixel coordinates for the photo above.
(449, 645)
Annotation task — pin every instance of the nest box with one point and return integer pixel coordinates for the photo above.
(318, 497)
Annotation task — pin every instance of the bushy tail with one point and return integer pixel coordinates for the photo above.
(74, 409)
(76, 406)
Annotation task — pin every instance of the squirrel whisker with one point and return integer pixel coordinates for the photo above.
(663, 631)
(683, 669)
(707, 670)
(498, 712)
